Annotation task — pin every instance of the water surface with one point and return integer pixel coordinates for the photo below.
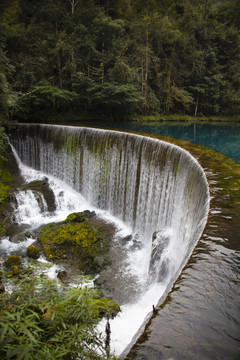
(222, 137)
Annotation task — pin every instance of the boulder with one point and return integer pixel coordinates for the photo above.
(41, 187)
(62, 275)
(81, 239)
(33, 252)
(11, 261)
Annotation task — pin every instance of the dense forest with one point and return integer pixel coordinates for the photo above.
(119, 57)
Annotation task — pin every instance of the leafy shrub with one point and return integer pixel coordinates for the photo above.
(40, 322)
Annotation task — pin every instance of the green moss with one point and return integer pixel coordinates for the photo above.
(48, 252)
(12, 261)
(76, 217)
(70, 145)
(33, 252)
(76, 237)
(5, 180)
(2, 230)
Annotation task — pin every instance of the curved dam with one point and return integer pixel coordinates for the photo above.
(156, 188)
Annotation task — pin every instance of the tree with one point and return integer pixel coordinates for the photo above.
(73, 5)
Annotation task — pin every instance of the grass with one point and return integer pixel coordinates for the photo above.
(184, 118)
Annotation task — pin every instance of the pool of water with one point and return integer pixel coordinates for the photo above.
(222, 137)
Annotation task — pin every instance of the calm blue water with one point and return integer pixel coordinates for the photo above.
(222, 137)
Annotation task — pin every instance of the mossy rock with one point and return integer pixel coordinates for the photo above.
(2, 288)
(42, 187)
(62, 275)
(12, 261)
(1, 275)
(77, 217)
(81, 236)
(33, 252)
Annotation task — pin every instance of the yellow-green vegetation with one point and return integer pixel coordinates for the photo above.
(183, 118)
(15, 271)
(5, 185)
(33, 252)
(80, 237)
(5, 180)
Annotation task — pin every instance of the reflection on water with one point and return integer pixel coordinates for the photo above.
(222, 137)
(201, 319)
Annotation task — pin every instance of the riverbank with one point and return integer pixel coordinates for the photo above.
(75, 118)
(184, 118)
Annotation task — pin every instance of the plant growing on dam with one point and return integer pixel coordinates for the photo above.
(40, 322)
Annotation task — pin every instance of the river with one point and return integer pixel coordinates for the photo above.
(200, 316)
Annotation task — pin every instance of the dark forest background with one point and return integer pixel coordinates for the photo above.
(119, 57)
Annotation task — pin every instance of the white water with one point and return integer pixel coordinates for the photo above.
(152, 186)
(125, 325)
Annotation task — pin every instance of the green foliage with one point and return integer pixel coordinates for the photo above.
(113, 97)
(3, 143)
(5, 177)
(102, 57)
(38, 321)
(45, 96)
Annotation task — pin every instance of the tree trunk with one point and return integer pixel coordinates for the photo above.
(73, 4)
(196, 107)
(59, 61)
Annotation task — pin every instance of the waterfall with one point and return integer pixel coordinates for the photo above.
(156, 188)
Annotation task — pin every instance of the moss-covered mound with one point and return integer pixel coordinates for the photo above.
(82, 237)
(12, 261)
(33, 252)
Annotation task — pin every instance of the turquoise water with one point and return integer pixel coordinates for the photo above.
(222, 137)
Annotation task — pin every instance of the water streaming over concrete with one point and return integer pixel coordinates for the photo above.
(157, 189)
